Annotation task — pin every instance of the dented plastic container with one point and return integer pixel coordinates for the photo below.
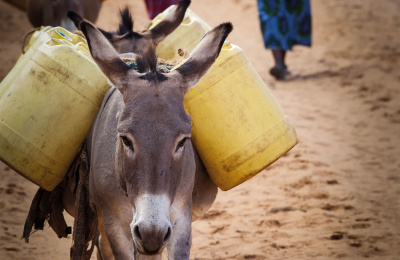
(186, 36)
(237, 126)
(47, 104)
(48, 32)
(45, 34)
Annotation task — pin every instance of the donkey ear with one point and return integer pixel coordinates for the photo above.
(170, 22)
(203, 56)
(104, 54)
(108, 35)
(76, 18)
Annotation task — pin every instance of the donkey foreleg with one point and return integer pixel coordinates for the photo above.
(181, 240)
(148, 257)
(104, 248)
(117, 237)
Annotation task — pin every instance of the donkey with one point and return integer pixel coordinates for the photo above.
(126, 40)
(54, 12)
(146, 179)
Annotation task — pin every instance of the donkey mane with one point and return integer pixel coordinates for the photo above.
(126, 24)
(147, 61)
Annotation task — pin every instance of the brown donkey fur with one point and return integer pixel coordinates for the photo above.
(146, 180)
(54, 12)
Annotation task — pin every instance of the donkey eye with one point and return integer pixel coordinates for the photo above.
(127, 142)
(181, 144)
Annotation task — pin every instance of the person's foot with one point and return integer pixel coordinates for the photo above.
(280, 73)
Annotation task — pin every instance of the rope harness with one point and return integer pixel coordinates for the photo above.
(47, 205)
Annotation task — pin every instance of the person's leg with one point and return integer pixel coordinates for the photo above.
(284, 55)
(279, 71)
(279, 57)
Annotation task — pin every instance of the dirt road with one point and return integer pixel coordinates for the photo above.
(335, 195)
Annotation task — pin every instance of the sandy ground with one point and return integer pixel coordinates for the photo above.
(335, 195)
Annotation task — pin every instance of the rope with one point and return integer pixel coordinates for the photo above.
(30, 220)
(47, 205)
(85, 225)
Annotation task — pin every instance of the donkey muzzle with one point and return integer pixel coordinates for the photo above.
(152, 228)
(151, 239)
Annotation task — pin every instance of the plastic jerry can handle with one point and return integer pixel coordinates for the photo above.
(187, 21)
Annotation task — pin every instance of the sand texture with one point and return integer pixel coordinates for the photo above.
(336, 195)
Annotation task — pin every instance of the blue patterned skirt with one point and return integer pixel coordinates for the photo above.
(285, 23)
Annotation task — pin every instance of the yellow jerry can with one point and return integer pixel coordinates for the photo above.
(237, 126)
(46, 34)
(47, 104)
(186, 36)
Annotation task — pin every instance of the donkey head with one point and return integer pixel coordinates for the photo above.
(155, 164)
(126, 40)
(54, 12)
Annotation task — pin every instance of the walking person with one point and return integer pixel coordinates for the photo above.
(284, 23)
(154, 7)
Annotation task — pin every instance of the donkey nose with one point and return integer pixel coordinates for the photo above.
(151, 237)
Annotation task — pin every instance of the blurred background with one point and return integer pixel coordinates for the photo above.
(334, 195)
